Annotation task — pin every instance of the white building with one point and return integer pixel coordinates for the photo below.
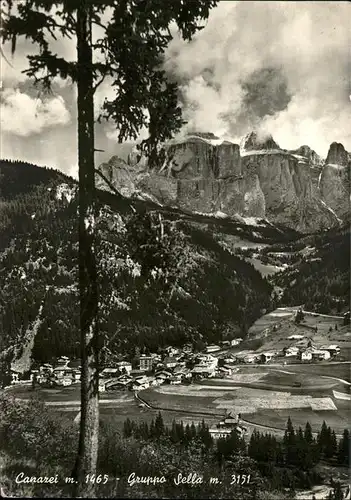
(250, 358)
(217, 433)
(236, 341)
(321, 354)
(267, 356)
(124, 366)
(170, 362)
(109, 372)
(291, 351)
(213, 348)
(306, 355)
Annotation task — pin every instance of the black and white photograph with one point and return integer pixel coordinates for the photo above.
(175, 249)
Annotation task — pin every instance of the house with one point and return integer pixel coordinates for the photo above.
(140, 385)
(220, 432)
(266, 357)
(34, 374)
(14, 376)
(203, 371)
(76, 375)
(213, 348)
(124, 366)
(229, 421)
(306, 355)
(320, 354)
(113, 385)
(225, 343)
(146, 363)
(187, 348)
(125, 378)
(333, 349)
(123, 382)
(296, 337)
(291, 351)
(162, 376)
(234, 342)
(170, 362)
(182, 372)
(250, 358)
(64, 381)
(225, 370)
(230, 359)
(109, 372)
(175, 380)
(46, 368)
(224, 430)
(75, 364)
(172, 351)
(60, 371)
(153, 381)
(63, 361)
(208, 359)
(102, 385)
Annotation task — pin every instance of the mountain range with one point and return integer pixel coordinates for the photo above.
(257, 178)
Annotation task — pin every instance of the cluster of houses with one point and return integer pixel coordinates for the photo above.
(175, 366)
(64, 373)
(226, 426)
(310, 352)
(302, 350)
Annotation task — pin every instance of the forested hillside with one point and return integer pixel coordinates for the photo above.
(162, 279)
(320, 275)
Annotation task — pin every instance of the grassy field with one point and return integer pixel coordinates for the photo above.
(299, 416)
(337, 370)
(62, 394)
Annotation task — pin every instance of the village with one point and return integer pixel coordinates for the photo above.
(176, 366)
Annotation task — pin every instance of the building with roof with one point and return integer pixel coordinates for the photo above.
(146, 363)
(267, 356)
(306, 355)
(170, 362)
(320, 354)
(124, 366)
(213, 348)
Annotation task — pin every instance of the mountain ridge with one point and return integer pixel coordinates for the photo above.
(203, 173)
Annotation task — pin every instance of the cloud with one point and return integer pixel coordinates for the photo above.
(282, 67)
(24, 115)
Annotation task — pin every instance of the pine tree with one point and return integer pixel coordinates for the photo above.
(289, 442)
(308, 433)
(159, 425)
(344, 449)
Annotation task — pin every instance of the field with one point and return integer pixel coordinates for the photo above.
(337, 370)
(264, 396)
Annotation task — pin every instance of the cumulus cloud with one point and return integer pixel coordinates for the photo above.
(24, 115)
(279, 67)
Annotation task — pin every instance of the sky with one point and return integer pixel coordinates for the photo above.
(280, 68)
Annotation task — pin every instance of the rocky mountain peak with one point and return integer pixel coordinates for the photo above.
(311, 156)
(337, 155)
(254, 142)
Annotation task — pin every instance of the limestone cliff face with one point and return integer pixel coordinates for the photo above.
(335, 180)
(258, 179)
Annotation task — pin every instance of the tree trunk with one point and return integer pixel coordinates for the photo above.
(86, 461)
